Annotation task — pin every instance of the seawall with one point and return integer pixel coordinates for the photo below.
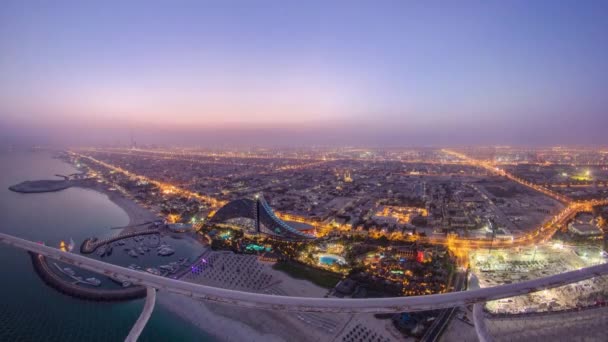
(55, 281)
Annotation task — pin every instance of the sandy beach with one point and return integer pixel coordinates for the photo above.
(233, 323)
(205, 317)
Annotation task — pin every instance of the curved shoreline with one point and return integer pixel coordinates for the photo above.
(53, 280)
(135, 212)
(224, 323)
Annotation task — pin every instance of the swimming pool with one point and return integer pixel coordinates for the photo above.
(330, 259)
(257, 248)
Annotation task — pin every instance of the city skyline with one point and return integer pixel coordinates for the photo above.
(386, 74)
(355, 171)
(417, 234)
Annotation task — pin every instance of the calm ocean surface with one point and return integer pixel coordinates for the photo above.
(31, 311)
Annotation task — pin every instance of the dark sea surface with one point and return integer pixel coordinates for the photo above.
(30, 310)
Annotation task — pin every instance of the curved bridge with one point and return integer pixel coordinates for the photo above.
(308, 304)
(301, 304)
(266, 221)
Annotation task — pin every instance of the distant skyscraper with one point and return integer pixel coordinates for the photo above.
(133, 142)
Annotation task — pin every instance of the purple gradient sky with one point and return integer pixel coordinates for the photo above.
(286, 72)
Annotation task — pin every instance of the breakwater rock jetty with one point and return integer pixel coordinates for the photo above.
(55, 281)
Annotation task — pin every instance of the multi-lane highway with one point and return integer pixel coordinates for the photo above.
(498, 171)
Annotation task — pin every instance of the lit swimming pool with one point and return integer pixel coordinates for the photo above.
(330, 259)
(257, 248)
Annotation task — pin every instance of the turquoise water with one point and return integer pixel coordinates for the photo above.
(31, 311)
(326, 260)
(329, 259)
(257, 248)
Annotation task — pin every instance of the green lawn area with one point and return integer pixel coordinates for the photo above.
(318, 277)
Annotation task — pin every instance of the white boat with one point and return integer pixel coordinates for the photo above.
(166, 251)
(133, 253)
(71, 245)
(162, 245)
(101, 251)
(93, 281)
(153, 271)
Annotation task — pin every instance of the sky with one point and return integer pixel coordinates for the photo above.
(386, 73)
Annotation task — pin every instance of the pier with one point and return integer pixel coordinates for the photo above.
(141, 322)
(133, 226)
(90, 245)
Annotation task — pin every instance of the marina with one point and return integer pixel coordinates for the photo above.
(74, 289)
(90, 245)
(78, 212)
(68, 281)
(77, 279)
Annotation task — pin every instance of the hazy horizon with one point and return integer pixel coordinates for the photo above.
(293, 74)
